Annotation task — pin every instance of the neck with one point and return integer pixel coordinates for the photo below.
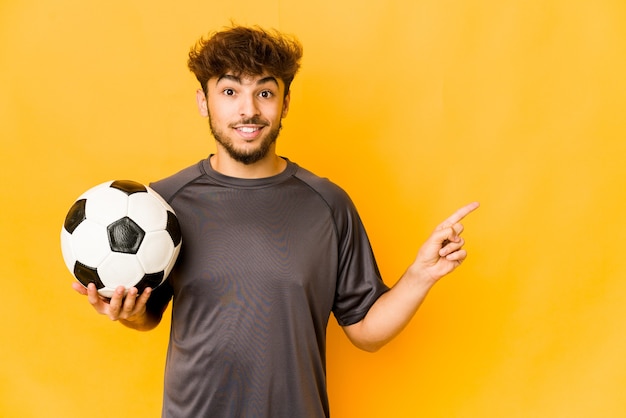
(269, 166)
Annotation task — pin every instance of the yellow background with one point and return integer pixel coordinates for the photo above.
(415, 108)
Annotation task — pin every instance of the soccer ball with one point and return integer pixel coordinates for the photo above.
(120, 233)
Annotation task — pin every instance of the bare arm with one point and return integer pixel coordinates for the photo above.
(439, 255)
(133, 310)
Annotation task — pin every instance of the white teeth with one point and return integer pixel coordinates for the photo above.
(248, 130)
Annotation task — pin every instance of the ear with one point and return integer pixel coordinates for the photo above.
(286, 104)
(203, 106)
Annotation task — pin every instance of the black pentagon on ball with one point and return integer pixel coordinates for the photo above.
(75, 215)
(125, 236)
(173, 228)
(151, 280)
(86, 275)
(128, 186)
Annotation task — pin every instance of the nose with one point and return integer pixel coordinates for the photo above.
(248, 106)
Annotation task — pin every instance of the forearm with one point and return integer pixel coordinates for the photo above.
(391, 313)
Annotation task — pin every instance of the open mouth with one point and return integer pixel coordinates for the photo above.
(249, 132)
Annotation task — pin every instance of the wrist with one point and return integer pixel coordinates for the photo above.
(139, 322)
(420, 275)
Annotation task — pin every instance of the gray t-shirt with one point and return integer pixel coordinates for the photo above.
(263, 264)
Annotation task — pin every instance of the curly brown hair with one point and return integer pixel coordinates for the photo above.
(248, 51)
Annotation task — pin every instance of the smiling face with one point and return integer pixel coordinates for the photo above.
(245, 114)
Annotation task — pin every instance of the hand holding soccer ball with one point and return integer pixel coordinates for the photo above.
(120, 233)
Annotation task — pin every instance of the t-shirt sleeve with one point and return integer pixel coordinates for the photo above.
(359, 283)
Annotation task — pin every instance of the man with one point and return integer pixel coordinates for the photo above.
(269, 251)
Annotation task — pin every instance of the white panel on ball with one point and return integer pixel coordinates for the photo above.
(66, 249)
(106, 205)
(147, 212)
(120, 270)
(90, 243)
(156, 251)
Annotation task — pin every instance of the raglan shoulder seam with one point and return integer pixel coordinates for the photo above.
(171, 186)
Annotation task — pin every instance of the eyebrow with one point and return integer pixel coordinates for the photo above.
(236, 79)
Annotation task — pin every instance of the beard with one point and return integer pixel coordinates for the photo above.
(249, 156)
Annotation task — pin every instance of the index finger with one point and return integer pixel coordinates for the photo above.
(459, 215)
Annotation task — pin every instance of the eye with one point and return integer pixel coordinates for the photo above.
(266, 94)
(229, 92)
